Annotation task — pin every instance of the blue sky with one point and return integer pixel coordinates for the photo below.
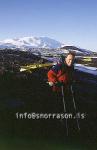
(70, 21)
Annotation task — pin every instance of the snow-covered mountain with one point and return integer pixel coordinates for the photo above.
(41, 45)
(78, 50)
(30, 42)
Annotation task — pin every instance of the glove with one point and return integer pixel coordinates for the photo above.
(51, 83)
(59, 83)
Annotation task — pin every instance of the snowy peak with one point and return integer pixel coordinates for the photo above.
(76, 49)
(30, 42)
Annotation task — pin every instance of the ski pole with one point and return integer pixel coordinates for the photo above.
(75, 107)
(64, 105)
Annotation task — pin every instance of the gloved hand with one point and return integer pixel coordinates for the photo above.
(59, 83)
(51, 83)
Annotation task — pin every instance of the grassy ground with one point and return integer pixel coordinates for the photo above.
(34, 95)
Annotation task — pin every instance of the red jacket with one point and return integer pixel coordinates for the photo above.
(60, 73)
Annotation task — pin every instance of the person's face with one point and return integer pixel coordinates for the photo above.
(69, 60)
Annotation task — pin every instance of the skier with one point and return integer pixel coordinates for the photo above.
(60, 78)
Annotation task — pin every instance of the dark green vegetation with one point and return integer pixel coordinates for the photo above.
(30, 93)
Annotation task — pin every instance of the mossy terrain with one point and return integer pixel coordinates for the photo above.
(29, 92)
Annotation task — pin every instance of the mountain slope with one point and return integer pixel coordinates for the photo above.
(77, 50)
(30, 42)
(42, 45)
